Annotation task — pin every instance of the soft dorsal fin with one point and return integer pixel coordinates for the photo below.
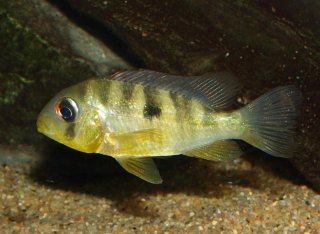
(214, 90)
(144, 168)
(222, 150)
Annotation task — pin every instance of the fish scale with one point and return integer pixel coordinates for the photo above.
(135, 115)
(128, 114)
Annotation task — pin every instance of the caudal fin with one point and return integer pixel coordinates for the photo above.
(270, 121)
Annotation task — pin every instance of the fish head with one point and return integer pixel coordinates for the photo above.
(70, 119)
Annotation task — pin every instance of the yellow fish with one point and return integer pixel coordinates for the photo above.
(136, 115)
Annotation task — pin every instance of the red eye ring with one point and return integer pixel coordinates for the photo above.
(57, 107)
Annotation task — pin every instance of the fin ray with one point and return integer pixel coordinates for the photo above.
(222, 150)
(215, 90)
(132, 143)
(270, 121)
(144, 168)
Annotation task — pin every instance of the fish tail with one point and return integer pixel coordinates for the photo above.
(269, 122)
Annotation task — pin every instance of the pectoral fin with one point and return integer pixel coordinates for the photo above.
(144, 168)
(146, 134)
(133, 143)
(222, 150)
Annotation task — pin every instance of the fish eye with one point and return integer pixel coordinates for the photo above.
(67, 109)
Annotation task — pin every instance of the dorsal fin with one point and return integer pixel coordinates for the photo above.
(214, 90)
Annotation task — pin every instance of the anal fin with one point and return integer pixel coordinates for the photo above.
(222, 150)
(144, 168)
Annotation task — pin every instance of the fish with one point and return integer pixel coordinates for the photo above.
(134, 116)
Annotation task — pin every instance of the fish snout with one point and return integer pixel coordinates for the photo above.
(42, 125)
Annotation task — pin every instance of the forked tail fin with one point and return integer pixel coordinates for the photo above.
(269, 122)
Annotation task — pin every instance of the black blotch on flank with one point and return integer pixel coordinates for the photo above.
(152, 107)
(150, 111)
(70, 131)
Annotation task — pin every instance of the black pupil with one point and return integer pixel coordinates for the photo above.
(67, 110)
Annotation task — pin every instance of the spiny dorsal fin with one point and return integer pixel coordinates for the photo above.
(144, 168)
(214, 90)
(222, 150)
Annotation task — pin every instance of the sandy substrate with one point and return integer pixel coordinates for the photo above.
(264, 195)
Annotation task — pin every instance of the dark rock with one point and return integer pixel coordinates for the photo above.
(42, 52)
